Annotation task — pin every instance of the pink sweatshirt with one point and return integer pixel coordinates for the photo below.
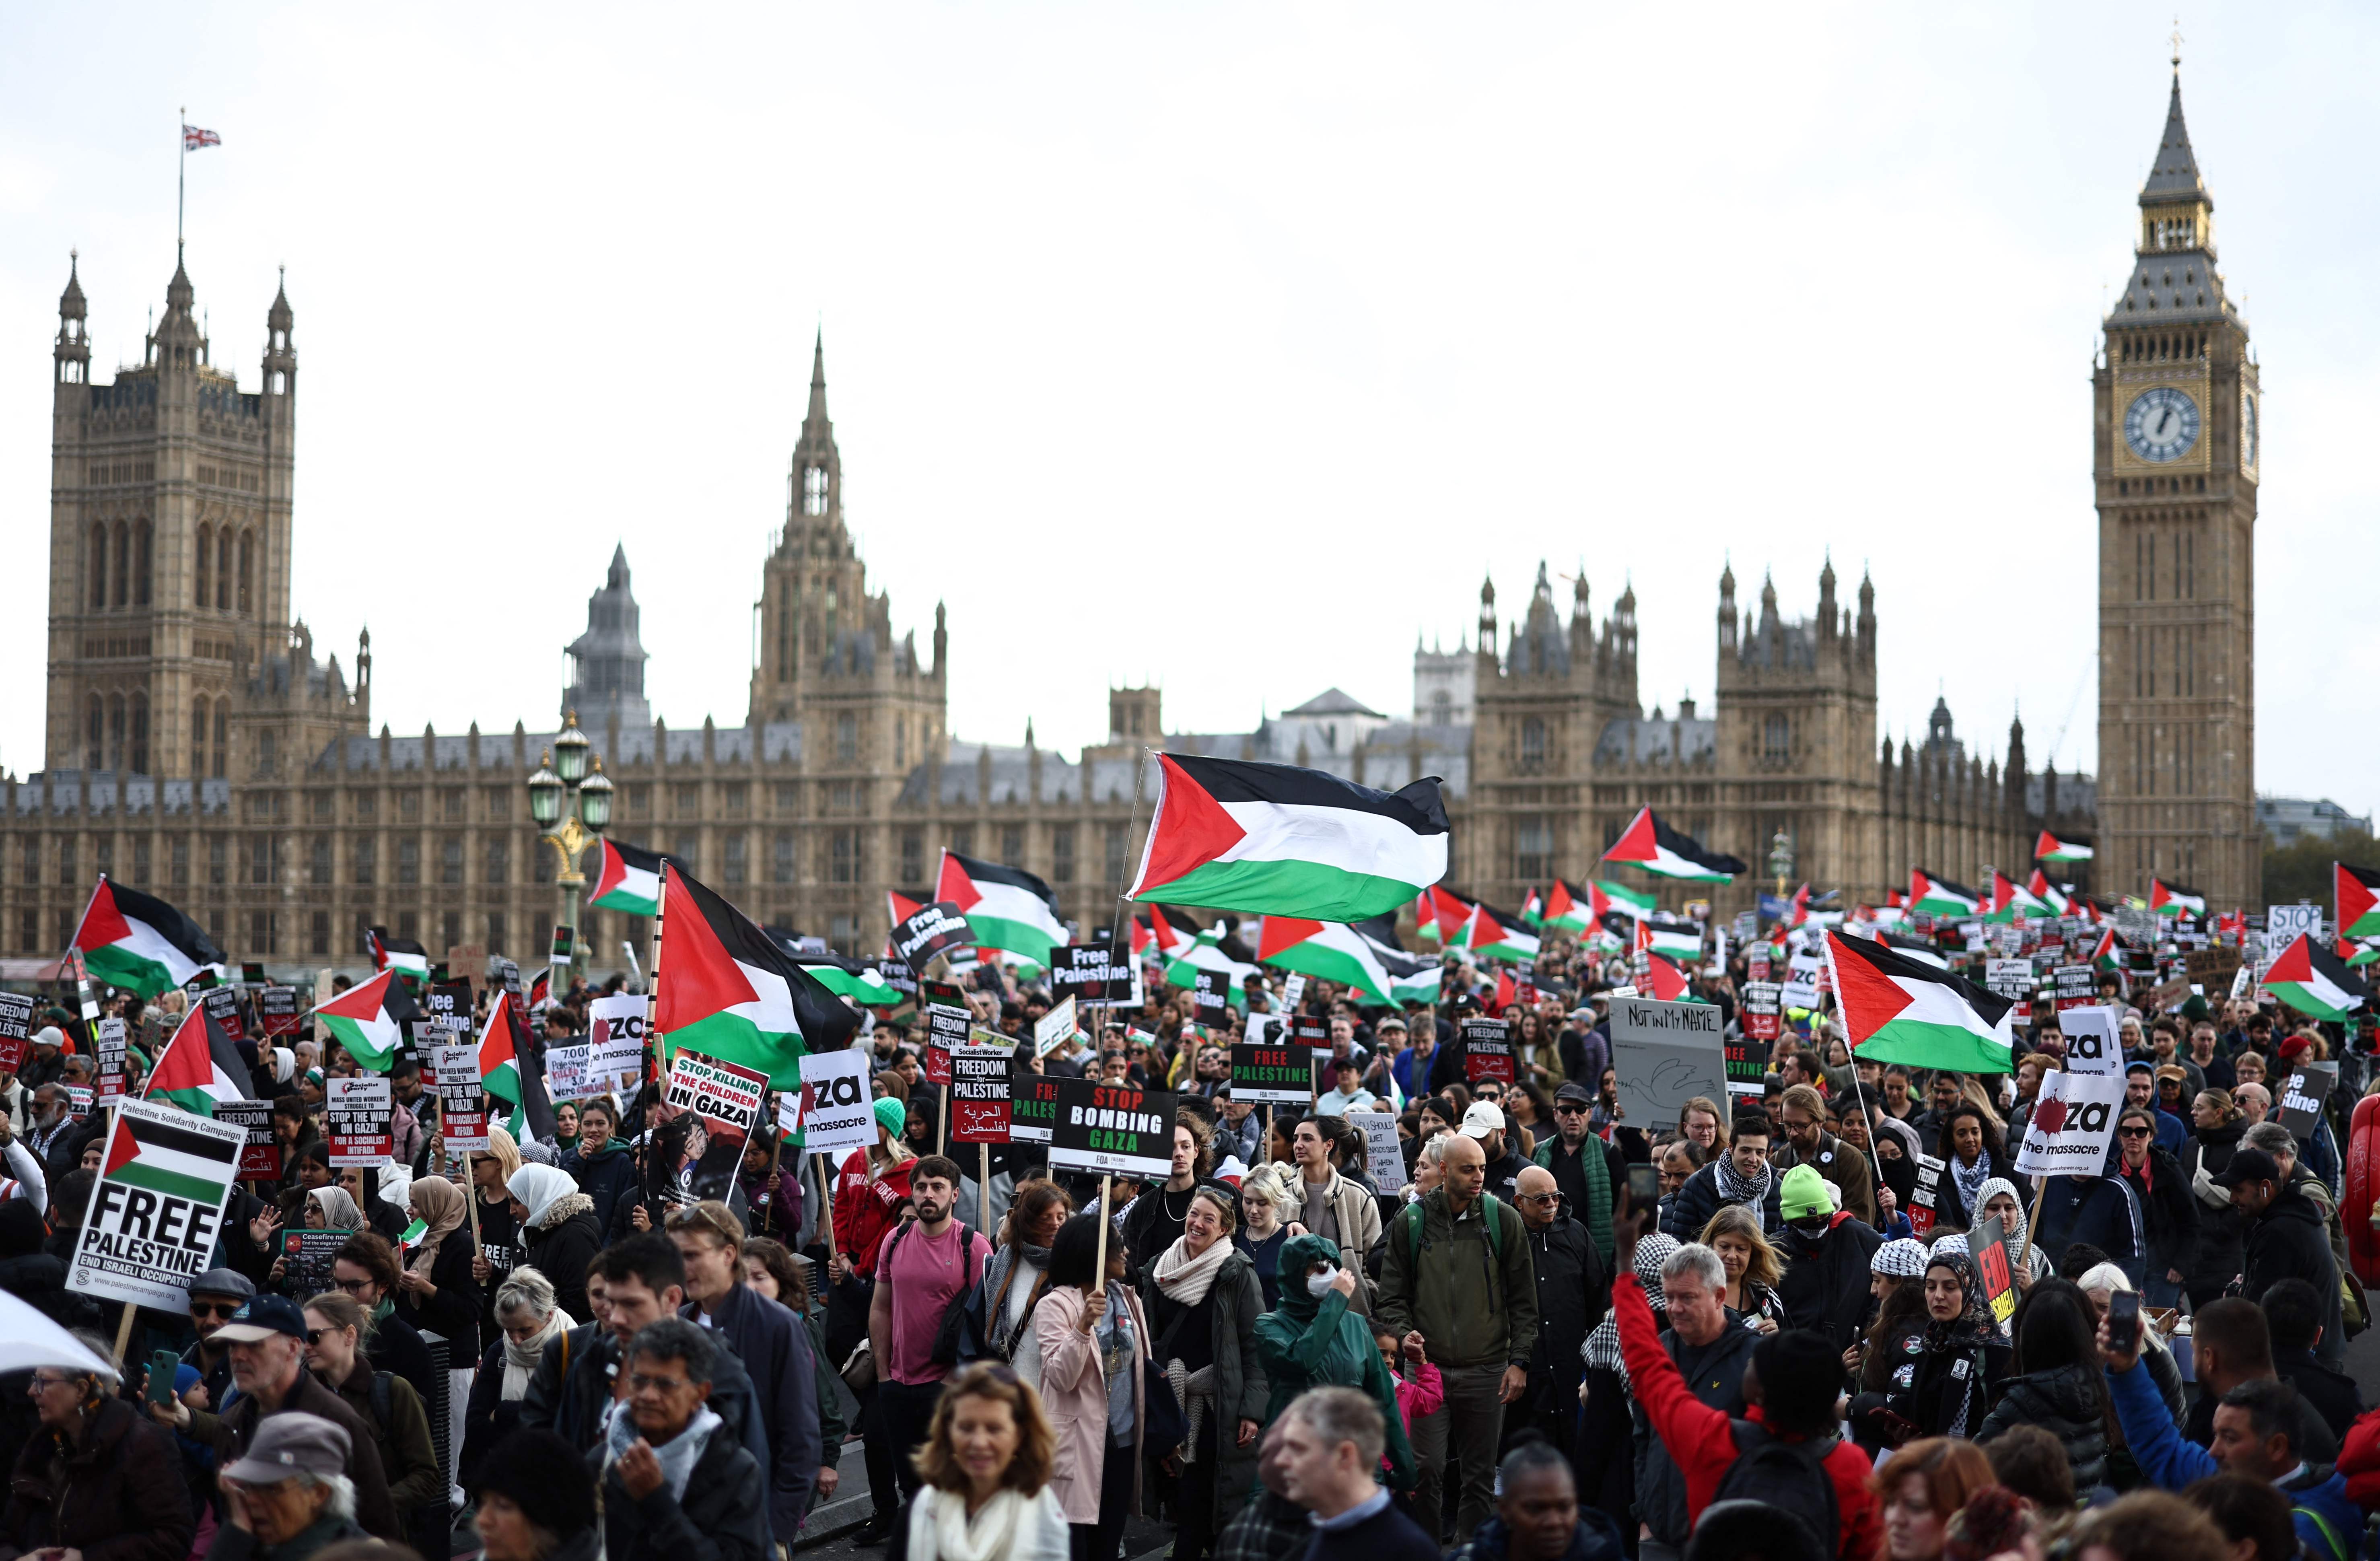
(1421, 1394)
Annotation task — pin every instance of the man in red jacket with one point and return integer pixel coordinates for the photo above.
(1796, 1403)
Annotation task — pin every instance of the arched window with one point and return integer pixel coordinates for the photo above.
(198, 740)
(116, 732)
(814, 490)
(221, 764)
(123, 565)
(142, 540)
(1777, 739)
(1532, 744)
(205, 554)
(247, 569)
(137, 763)
(223, 569)
(95, 736)
(99, 566)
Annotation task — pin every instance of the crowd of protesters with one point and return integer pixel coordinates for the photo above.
(1549, 1331)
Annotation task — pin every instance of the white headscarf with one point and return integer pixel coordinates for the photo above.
(537, 1188)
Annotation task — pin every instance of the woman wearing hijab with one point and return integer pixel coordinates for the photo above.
(1204, 1304)
(1962, 1361)
(1312, 1340)
(558, 1231)
(1887, 1358)
(1998, 1199)
(1897, 1151)
(435, 1293)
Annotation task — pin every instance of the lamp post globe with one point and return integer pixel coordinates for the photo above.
(545, 793)
(571, 751)
(595, 800)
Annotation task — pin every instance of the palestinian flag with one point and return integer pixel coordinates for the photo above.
(139, 944)
(1672, 936)
(404, 955)
(178, 1162)
(1498, 933)
(2358, 953)
(2011, 904)
(1799, 911)
(723, 989)
(1412, 978)
(199, 1067)
(854, 979)
(629, 880)
(2049, 848)
(2355, 901)
(1663, 981)
(1206, 953)
(1425, 909)
(2041, 888)
(1330, 951)
(1659, 850)
(2315, 981)
(1275, 839)
(1897, 1010)
(1568, 912)
(1940, 897)
(2103, 954)
(1920, 949)
(499, 1070)
(1169, 932)
(1533, 910)
(2172, 899)
(1447, 914)
(1009, 908)
(1611, 899)
(369, 1020)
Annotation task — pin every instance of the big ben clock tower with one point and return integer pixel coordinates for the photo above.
(2176, 426)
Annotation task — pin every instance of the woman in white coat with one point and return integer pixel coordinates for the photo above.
(985, 1468)
(1092, 1340)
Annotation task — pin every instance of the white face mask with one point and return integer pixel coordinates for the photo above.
(1319, 1284)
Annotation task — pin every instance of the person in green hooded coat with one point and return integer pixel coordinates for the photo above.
(1312, 1339)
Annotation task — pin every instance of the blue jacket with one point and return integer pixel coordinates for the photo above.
(2328, 1523)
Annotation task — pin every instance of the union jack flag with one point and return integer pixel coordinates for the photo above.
(193, 138)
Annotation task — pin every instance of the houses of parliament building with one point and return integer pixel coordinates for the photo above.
(198, 745)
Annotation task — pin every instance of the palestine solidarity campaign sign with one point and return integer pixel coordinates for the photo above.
(153, 1217)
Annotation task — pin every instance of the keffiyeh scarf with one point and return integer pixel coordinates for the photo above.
(1735, 1187)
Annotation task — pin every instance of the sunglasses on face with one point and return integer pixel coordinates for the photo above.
(2132, 1132)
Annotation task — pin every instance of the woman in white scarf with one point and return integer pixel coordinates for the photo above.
(525, 1309)
(1203, 1304)
(985, 1468)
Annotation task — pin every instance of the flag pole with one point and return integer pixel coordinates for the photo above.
(651, 1048)
(181, 179)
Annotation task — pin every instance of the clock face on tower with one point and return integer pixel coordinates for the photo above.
(2161, 424)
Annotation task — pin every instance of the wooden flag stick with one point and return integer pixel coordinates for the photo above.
(2032, 1224)
(124, 1331)
(983, 1187)
(1100, 1266)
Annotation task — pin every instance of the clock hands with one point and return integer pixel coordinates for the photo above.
(2165, 416)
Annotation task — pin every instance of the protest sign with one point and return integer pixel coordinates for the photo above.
(1259, 1029)
(78, 1098)
(16, 1029)
(1987, 1243)
(223, 1006)
(276, 1011)
(1113, 1129)
(1210, 995)
(726, 1097)
(262, 1159)
(306, 1259)
(2166, 996)
(1384, 1153)
(930, 931)
(1308, 1030)
(1756, 966)
(2073, 1119)
(615, 1041)
(2303, 1094)
(1487, 1049)
(2091, 1044)
(2285, 924)
(108, 1043)
(837, 1112)
(1747, 1064)
(2011, 978)
(1801, 982)
(1665, 1054)
(1761, 1011)
(1922, 1196)
(355, 1119)
(462, 1104)
(1292, 992)
(896, 974)
(566, 1074)
(1093, 972)
(153, 1217)
(1033, 1109)
(946, 1031)
(2076, 988)
(1054, 1029)
(979, 1090)
(1277, 1075)
(2211, 966)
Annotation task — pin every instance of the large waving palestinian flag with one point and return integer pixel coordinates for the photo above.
(1330, 951)
(142, 944)
(1499, 934)
(627, 879)
(199, 1067)
(1273, 839)
(2172, 899)
(1009, 908)
(2011, 903)
(1897, 1010)
(2049, 848)
(1442, 914)
(2315, 981)
(722, 988)
(1659, 850)
(369, 1020)
(2355, 901)
(1940, 896)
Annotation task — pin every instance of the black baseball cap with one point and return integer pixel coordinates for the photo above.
(2247, 1165)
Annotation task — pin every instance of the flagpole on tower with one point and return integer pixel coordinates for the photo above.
(181, 179)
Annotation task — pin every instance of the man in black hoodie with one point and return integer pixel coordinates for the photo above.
(2293, 1312)
(2287, 1238)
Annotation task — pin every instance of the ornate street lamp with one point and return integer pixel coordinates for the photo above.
(570, 801)
(1780, 859)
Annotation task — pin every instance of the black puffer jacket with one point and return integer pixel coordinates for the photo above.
(2220, 1252)
(2065, 1401)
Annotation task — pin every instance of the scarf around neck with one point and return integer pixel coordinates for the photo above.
(1970, 1181)
(521, 1360)
(677, 1455)
(1735, 1187)
(987, 1536)
(440, 1204)
(1186, 1279)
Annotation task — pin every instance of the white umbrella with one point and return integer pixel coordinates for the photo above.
(29, 1339)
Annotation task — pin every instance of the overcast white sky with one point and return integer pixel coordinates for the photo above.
(1227, 345)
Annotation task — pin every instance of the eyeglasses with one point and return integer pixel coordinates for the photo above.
(1569, 1108)
(1537, 1197)
(314, 1335)
(356, 1286)
(2132, 1132)
(642, 1383)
